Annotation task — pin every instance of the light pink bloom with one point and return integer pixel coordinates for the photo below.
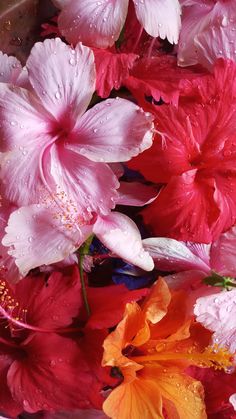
(217, 312)
(192, 262)
(178, 256)
(208, 32)
(99, 23)
(55, 158)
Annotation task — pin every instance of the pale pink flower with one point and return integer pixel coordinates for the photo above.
(192, 262)
(99, 23)
(54, 161)
(217, 312)
(208, 32)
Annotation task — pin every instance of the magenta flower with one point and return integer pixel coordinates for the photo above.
(55, 157)
(99, 23)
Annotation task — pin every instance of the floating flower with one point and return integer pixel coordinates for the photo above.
(151, 348)
(99, 23)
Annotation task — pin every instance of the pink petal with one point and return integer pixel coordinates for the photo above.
(97, 24)
(63, 77)
(217, 312)
(41, 236)
(120, 234)
(21, 176)
(195, 18)
(23, 119)
(10, 69)
(80, 182)
(112, 131)
(173, 255)
(112, 69)
(160, 18)
(135, 194)
(223, 254)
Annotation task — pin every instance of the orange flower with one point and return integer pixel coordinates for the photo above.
(152, 347)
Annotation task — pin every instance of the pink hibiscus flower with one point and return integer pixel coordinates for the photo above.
(55, 157)
(193, 157)
(207, 32)
(99, 23)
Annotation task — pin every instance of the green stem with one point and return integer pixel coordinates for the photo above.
(84, 250)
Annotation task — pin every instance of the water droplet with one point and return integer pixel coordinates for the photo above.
(58, 95)
(52, 363)
(216, 300)
(30, 239)
(95, 130)
(13, 123)
(72, 61)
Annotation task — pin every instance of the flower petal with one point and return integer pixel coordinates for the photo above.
(51, 304)
(80, 182)
(173, 255)
(223, 254)
(51, 376)
(112, 131)
(63, 77)
(10, 69)
(120, 234)
(97, 24)
(112, 69)
(160, 18)
(41, 236)
(135, 193)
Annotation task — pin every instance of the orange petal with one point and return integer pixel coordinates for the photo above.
(138, 399)
(155, 305)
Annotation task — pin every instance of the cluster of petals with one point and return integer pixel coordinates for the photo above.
(54, 163)
(99, 23)
(152, 347)
(192, 159)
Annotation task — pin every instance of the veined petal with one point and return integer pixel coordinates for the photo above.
(160, 18)
(62, 77)
(173, 255)
(97, 24)
(20, 174)
(39, 235)
(23, 119)
(79, 182)
(120, 234)
(112, 131)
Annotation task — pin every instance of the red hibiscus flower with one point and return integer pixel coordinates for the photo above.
(193, 156)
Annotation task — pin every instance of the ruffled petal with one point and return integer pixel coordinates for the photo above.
(97, 24)
(39, 235)
(120, 234)
(112, 131)
(112, 69)
(62, 77)
(173, 255)
(217, 313)
(160, 18)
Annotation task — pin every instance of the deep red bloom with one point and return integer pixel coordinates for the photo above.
(193, 156)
